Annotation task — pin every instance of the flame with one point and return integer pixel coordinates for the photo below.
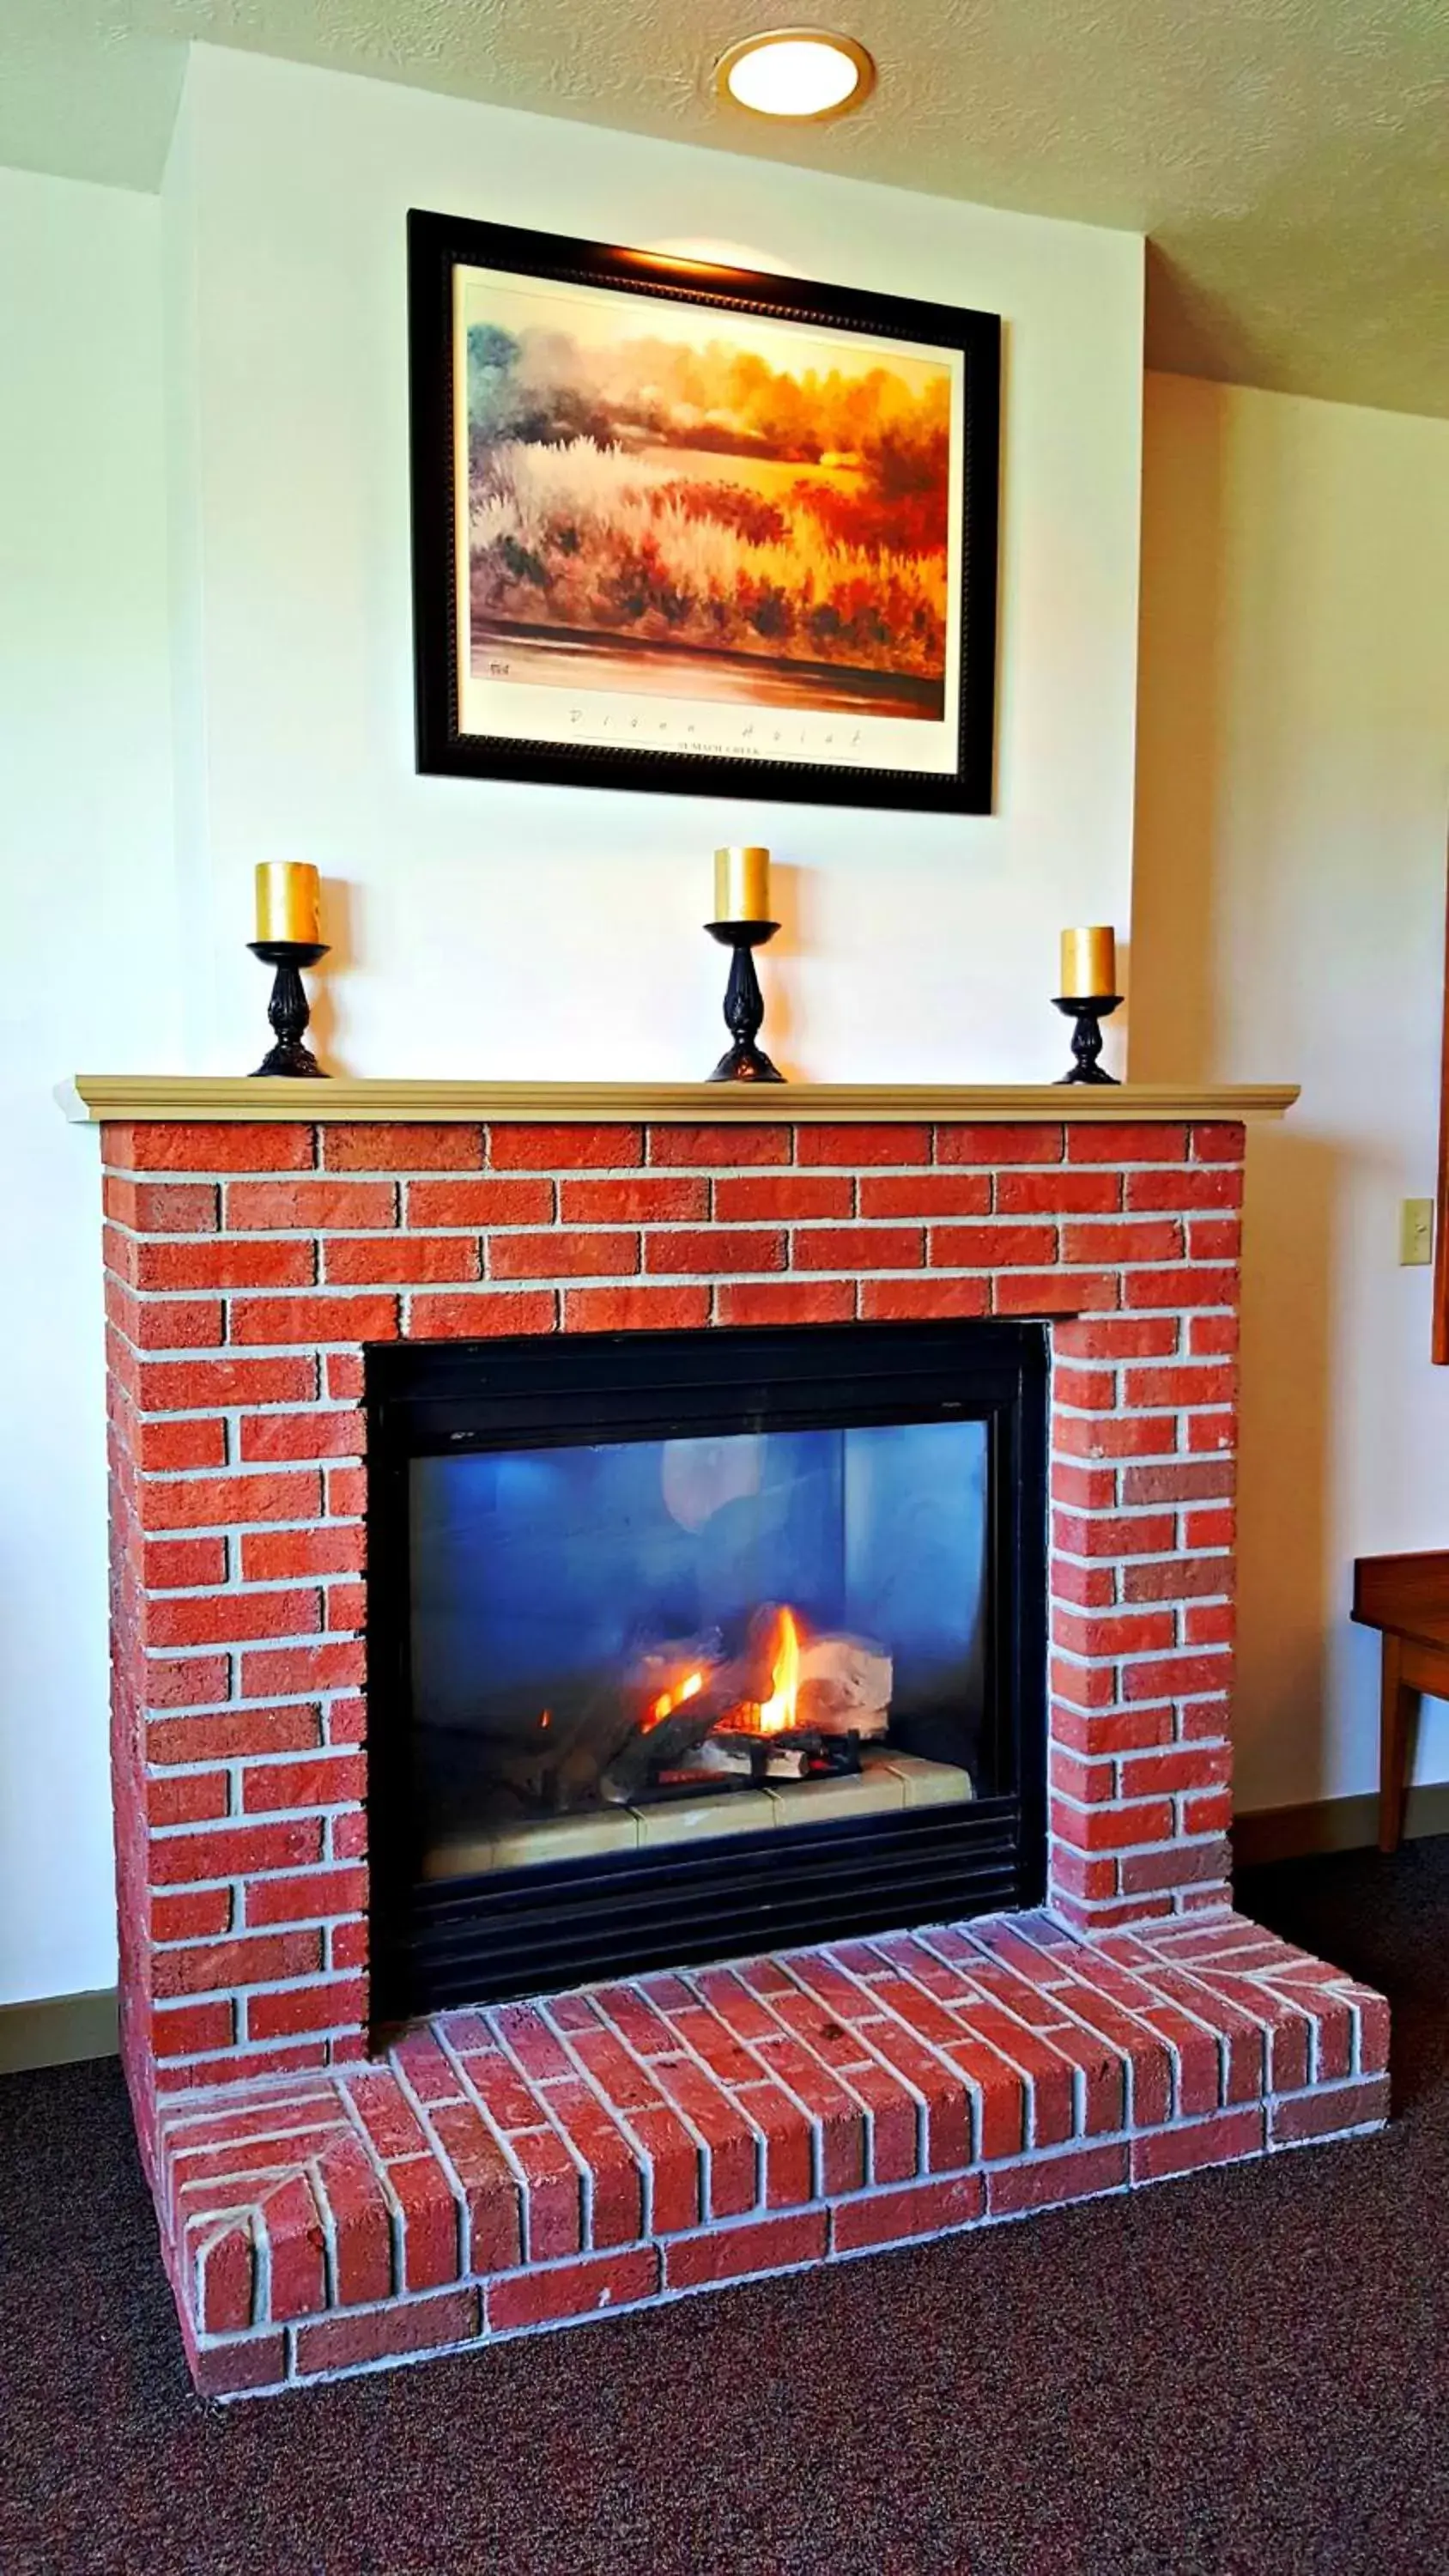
(669, 1701)
(778, 1711)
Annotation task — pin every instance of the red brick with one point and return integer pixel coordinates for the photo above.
(905, 1301)
(233, 1851)
(1083, 1685)
(490, 2190)
(282, 1556)
(653, 1198)
(1087, 1784)
(170, 1324)
(1176, 1767)
(1122, 1141)
(1125, 1731)
(316, 1895)
(987, 1247)
(1049, 2182)
(1186, 1865)
(854, 1248)
(1115, 1435)
(1212, 1813)
(333, 1780)
(1074, 1875)
(331, 2005)
(1053, 1292)
(161, 1445)
(1177, 1676)
(478, 1315)
(1222, 1142)
(1117, 1337)
(401, 1261)
(1190, 1285)
(187, 2030)
(250, 2362)
(1328, 2114)
(1214, 1238)
(1058, 1193)
(1006, 1143)
(279, 1672)
(479, 1204)
(196, 1914)
(921, 2209)
(314, 1319)
(1207, 1382)
(557, 1255)
(787, 1301)
(857, 1146)
(1083, 1489)
(182, 1564)
(174, 1145)
(1213, 1623)
(718, 1147)
(1184, 1188)
(587, 2288)
(548, 1149)
(267, 1438)
(345, 1606)
(1113, 1828)
(714, 1251)
(376, 1146)
(1194, 1482)
(209, 1967)
(1211, 1528)
(190, 1386)
(187, 1798)
(1179, 1578)
(1090, 1586)
(1213, 1336)
(299, 1207)
(224, 1261)
(162, 1207)
(635, 1309)
(225, 1618)
(1143, 1632)
(187, 1681)
(733, 2253)
(347, 2342)
(1218, 2140)
(199, 1502)
(1093, 1390)
(1210, 1434)
(775, 1198)
(1143, 1241)
(230, 1734)
(1149, 1534)
(342, 1377)
(347, 1486)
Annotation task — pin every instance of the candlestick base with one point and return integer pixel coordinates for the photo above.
(744, 1005)
(1088, 1010)
(289, 1010)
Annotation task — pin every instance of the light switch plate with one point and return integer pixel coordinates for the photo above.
(1416, 1233)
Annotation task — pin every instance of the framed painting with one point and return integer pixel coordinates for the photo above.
(698, 529)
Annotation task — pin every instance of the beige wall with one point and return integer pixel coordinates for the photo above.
(1293, 784)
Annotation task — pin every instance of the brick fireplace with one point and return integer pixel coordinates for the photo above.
(325, 2208)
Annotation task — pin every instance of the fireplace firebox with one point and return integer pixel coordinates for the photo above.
(684, 1644)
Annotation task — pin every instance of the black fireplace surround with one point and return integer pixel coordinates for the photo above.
(685, 1645)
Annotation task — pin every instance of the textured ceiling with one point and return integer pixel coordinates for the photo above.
(1286, 158)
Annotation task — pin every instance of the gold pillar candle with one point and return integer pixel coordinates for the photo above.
(742, 885)
(1089, 964)
(288, 902)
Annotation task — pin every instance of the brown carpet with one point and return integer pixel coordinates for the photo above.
(1246, 2374)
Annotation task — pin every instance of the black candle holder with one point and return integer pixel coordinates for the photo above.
(744, 1004)
(1089, 1010)
(289, 1010)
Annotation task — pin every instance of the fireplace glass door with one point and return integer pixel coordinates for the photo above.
(655, 1610)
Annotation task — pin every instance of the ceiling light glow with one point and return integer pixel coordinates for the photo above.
(799, 72)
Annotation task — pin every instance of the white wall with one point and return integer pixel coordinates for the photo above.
(86, 897)
(1290, 888)
(493, 929)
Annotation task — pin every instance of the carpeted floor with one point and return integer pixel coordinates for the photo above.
(1245, 2372)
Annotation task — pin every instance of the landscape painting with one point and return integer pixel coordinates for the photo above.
(703, 535)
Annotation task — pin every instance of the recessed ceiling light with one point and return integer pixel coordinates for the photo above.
(800, 72)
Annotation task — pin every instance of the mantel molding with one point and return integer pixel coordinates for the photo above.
(92, 1098)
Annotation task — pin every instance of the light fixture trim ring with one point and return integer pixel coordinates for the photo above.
(765, 41)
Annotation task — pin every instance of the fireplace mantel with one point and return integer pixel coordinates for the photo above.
(92, 1098)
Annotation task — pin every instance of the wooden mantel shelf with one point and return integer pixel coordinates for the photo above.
(93, 1097)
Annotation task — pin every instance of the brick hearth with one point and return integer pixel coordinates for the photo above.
(514, 2168)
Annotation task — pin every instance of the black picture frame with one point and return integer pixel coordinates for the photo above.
(437, 246)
